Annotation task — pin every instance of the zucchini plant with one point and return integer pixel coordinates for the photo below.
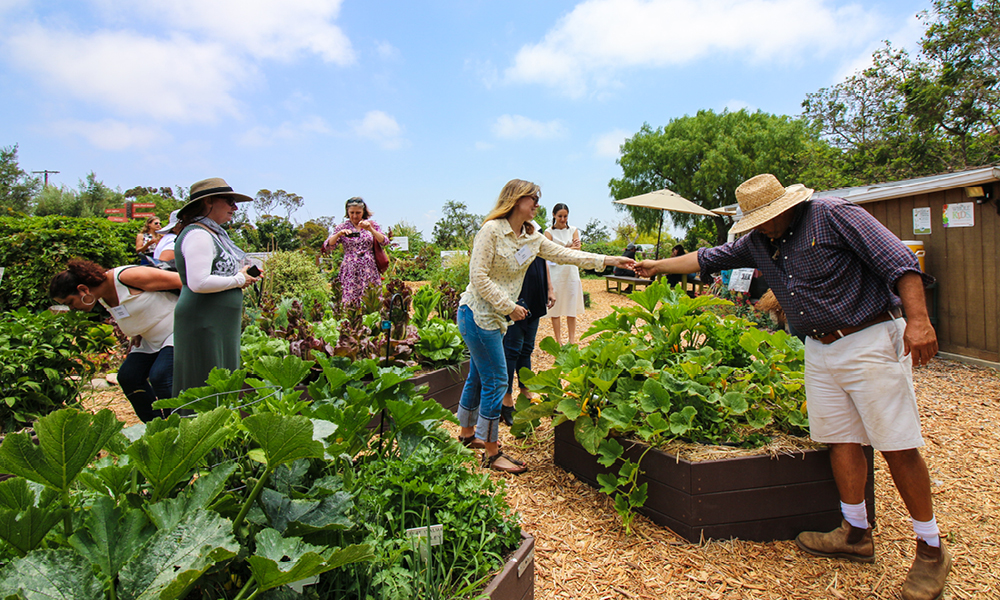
(666, 368)
(256, 490)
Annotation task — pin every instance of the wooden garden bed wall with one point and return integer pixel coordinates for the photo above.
(754, 498)
(445, 385)
(517, 579)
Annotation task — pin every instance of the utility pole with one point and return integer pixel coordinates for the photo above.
(46, 171)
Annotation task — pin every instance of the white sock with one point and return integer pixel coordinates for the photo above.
(928, 531)
(855, 514)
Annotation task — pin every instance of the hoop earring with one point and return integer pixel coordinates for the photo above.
(92, 302)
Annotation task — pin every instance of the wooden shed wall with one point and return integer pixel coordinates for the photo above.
(964, 262)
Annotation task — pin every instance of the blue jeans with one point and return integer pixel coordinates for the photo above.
(518, 344)
(145, 378)
(484, 387)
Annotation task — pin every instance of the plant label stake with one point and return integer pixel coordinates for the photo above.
(418, 537)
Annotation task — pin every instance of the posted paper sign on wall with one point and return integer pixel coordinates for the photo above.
(922, 221)
(959, 215)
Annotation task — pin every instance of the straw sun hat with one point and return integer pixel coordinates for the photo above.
(213, 186)
(763, 197)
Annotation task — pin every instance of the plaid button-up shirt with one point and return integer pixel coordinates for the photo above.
(835, 267)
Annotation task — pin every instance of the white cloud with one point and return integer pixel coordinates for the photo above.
(381, 128)
(266, 136)
(202, 54)
(386, 51)
(176, 79)
(907, 37)
(599, 37)
(262, 28)
(516, 127)
(608, 145)
(110, 134)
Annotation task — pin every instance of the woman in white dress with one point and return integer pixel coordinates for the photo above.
(565, 278)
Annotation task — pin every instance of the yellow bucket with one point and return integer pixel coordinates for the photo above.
(918, 249)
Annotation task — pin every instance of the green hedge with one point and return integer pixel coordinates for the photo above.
(33, 249)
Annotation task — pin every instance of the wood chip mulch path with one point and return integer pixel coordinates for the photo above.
(582, 551)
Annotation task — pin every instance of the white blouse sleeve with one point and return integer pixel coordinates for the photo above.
(199, 251)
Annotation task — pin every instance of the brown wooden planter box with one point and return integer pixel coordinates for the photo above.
(517, 579)
(756, 498)
(445, 385)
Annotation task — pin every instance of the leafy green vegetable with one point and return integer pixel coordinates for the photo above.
(170, 449)
(67, 440)
(173, 559)
(279, 561)
(47, 574)
(25, 518)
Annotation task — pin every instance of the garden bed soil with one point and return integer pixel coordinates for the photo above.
(581, 550)
(758, 497)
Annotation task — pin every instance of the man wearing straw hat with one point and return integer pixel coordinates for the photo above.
(841, 278)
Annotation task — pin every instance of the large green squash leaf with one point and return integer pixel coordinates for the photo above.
(283, 439)
(49, 574)
(279, 561)
(25, 517)
(175, 558)
(169, 512)
(170, 449)
(285, 371)
(223, 389)
(305, 516)
(68, 439)
(111, 535)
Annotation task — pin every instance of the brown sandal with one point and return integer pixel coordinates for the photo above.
(489, 462)
(472, 443)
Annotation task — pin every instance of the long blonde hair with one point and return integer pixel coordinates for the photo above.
(509, 195)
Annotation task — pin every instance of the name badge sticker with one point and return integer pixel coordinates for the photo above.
(522, 255)
(118, 312)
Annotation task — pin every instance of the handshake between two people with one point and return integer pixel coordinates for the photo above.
(685, 263)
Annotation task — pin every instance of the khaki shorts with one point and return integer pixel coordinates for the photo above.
(860, 390)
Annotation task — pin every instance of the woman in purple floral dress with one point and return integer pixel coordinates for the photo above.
(357, 234)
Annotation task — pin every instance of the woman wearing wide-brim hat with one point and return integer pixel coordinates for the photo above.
(213, 273)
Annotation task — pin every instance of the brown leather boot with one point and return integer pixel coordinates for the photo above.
(845, 541)
(926, 578)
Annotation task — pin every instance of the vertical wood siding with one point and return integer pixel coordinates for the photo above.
(964, 262)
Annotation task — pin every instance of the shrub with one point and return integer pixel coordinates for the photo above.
(455, 272)
(420, 263)
(36, 248)
(293, 274)
(44, 360)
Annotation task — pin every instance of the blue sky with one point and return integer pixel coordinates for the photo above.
(407, 104)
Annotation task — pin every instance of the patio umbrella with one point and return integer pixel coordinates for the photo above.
(665, 200)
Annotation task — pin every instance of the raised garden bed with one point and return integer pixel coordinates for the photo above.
(445, 384)
(757, 498)
(517, 579)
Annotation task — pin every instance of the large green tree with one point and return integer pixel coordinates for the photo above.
(908, 116)
(17, 187)
(266, 201)
(456, 226)
(957, 86)
(705, 157)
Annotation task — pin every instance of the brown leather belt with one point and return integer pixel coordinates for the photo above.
(830, 338)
